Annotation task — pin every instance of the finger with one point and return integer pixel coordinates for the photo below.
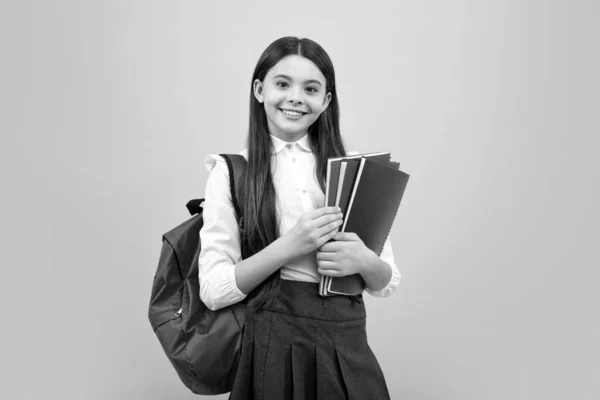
(331, 247)
(325, 256)
(326, 238)
(329, 229)
(345, 236)
(329, 272)
(327, 219)
(327, 264)
(319, 212)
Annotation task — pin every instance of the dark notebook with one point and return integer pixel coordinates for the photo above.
(333, 173)
(331, 188)
(349, 179)
(372, 208)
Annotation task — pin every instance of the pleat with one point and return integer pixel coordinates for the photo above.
(330, 382)
(304, 367)
(362, 374)
(263, 332)
(244, 379)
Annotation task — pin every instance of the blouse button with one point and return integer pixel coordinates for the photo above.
(293, 159)
(303, 190)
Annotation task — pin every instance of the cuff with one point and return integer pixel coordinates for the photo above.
(222, 291)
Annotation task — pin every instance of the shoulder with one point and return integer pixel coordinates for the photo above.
(214, 160)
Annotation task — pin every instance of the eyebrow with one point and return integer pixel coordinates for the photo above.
(307, 81)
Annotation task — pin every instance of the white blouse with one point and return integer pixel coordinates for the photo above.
(297, 192)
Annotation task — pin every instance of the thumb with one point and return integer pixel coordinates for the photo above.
(343, 236)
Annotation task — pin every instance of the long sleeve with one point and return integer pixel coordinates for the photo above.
(220, 240)
(387, 256)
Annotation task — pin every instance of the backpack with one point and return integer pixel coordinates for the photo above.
(202, 345)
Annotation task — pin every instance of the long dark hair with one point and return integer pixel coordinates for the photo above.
(260, 227)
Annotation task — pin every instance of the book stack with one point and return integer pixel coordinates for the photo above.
(368, 188)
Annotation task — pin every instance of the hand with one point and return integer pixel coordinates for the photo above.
(346, 255)
(314, 229)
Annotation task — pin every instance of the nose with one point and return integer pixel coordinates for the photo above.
(295, 95)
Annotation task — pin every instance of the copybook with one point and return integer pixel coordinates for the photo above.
(368, 188)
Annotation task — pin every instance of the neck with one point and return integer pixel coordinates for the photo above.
(289, 137)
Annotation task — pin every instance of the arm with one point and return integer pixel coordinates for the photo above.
(252, 271)
(220, 240)
(377, 273)
(225, 278)
(384, 262)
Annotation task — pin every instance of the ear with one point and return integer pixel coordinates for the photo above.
(328, 97)
(258, 88)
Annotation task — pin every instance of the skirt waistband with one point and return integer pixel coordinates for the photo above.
(302, 299)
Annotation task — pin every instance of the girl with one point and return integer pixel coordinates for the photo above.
(296, 344)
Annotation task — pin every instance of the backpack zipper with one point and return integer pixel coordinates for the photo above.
(178, 313)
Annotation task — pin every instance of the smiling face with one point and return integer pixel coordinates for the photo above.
(294, 95)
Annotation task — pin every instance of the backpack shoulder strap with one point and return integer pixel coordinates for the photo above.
(236, 164)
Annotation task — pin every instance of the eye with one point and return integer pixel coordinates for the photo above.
(312, 89)
(282, 84)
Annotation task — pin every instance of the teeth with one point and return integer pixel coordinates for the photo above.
(292, 113)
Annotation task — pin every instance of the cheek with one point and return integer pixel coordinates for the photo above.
(316, 104)
(317, 108)
(272, 106)
(273, 98)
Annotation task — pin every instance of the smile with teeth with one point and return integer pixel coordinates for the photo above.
(292, 113)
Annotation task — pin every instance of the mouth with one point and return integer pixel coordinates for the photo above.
(293, 114)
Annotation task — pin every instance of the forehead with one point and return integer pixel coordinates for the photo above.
(298, 68)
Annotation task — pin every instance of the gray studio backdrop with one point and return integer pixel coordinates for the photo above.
(110, 107)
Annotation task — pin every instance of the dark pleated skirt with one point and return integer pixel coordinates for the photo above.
(307, 347)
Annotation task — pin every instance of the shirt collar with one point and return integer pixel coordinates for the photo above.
(279, 144)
